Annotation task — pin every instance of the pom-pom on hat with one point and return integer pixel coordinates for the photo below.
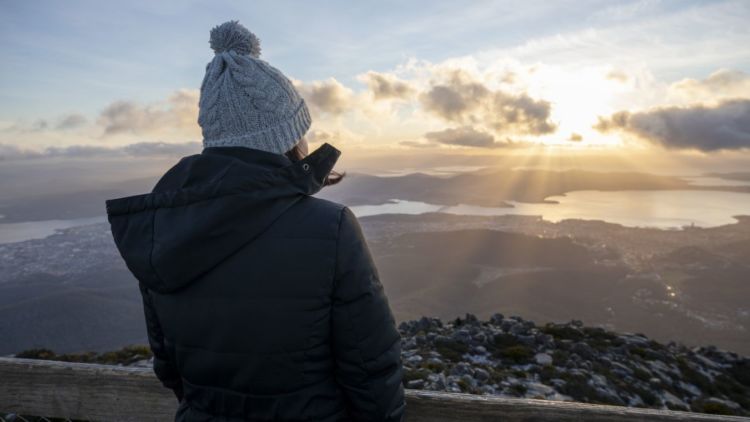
(244, 101)
(233, 36)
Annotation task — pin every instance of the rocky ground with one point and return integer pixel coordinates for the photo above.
(513, 357)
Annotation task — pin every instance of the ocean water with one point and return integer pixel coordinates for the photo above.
(17, 232)
(636, 208)
(671, 209)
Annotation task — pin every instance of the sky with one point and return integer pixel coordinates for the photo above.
(100, 79)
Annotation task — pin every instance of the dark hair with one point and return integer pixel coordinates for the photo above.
(296, 154)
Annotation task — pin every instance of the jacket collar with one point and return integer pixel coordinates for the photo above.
(306, 176)
(250, 155)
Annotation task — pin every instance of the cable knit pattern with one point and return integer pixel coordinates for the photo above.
(244, 100)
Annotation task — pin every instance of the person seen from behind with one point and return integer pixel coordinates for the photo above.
(262, 301)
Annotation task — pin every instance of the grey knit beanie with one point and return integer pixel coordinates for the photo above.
(244, 100)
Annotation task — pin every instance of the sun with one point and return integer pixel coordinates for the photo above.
(579, 95)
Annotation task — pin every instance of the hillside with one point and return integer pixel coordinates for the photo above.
(611, 276)
(71, 291)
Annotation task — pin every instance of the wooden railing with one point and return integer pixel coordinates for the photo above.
(115, 393)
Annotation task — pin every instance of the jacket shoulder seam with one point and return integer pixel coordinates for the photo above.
(334, 280)
(151, 251)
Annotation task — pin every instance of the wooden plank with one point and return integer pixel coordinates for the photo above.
(424, 406)
(83, 391)
(107, 393)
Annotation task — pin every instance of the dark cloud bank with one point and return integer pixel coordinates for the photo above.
(723, 127)
(10, 152)
(463, 100)
(465, 136)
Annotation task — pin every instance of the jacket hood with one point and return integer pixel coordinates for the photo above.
(208, 206)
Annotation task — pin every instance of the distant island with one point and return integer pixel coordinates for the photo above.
(743, 176)
(496, 187)
(489, 187)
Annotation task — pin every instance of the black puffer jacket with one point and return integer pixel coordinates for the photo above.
(262, 302)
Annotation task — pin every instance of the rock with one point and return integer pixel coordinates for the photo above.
(462, 335)
(673, 400)
(690, 388)
(621, 369)
(414, 359)
(497, 318)
(557, 382)
(507, 324)
(437, 380)
(631, 370)
(527, 340)
(599, 380)
(417, 384)
(535, 389)
(487, 390)
(584, 350)
(728, 403)
(481, 374)
(461, 368)
(480, 359)
(469, 380)
(545, 340)
(454, 388)
(518, 329)
(543, 359)
(143, 363)
(409, 343)
(565, 343)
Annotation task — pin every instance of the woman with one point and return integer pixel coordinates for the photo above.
(262, 302)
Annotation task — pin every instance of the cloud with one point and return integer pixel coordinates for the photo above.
(14, 152)
(10, 152)
(179, 113)
(320, 136)
(329, 96)
(575, 137)
(124, 116)
(72, 121)
(721, 84)
(386, 86)
(21, 126)
(701, 127)
(462, 99)
(617, 75)
(170, 149)
(465, 136)
(455, 99)
(417, 144)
